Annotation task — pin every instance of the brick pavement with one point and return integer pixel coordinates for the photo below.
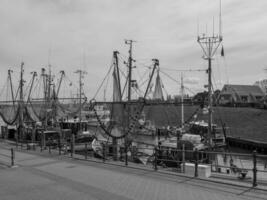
(39, 177)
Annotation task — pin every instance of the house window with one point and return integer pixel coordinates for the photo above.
(258, 97)
(244, 98)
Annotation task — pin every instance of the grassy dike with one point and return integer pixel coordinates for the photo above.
(247, 123)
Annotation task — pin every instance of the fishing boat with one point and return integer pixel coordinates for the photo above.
(102, 112)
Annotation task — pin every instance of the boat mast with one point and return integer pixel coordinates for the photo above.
(155, 65)
(11, 85)
(60, 81)
(49, 85)
(209, 46)
(116, 64)
(130, 59)
(34, 74)
(21, 106)
(182, 102)
(80, 73)
(44, 75)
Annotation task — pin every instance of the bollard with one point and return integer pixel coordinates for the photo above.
(49, 147)
(72, 145)
(183, 157)
(254, 184)
(85, 155)
(59, 147)
(41, 146)
(71, 149)
(12, 157)
(126, 156)
(196, 163)
(103, 152)
(156, 159)
(59, 143)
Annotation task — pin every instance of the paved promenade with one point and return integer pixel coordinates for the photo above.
(42, 177)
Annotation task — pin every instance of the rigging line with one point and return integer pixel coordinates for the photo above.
(17, 93)
(144, 65)
(7, 92)
(190, 90)
(226, 69)
(125, 60)
(183, 70)
(166, 92)
(144, 82)
(27, 90)
(124, 88)
(122, 72)
(4, 87)
(37, 85)
(143, 76)
(106, 86)
(138, 91)
(170, 77)
(218, 66)
(103, 81)
(139, 74)
(162, 86)
(73, 83)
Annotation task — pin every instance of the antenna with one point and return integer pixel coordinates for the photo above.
(213, 26)
(197, 26)
(220, 20)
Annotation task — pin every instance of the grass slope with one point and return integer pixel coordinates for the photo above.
(246, 123)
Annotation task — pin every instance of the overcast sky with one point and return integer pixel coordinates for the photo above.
(73, 34)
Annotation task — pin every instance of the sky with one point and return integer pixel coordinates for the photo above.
(82, 34)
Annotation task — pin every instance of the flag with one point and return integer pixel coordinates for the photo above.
(222, 52)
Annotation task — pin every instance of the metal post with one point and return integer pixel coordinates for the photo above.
(183, 157)
(72, 145)
(85, 155)
(156, 159)
(115, 149)
(254, 184)
(103, 152)
(49, 147)
(59, 147)
(12, 157)
(196, 163)
(210, 99)
(41, 145)
(44, 141)
(126, 155)
(178, 159)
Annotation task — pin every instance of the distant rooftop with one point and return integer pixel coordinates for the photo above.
(243, 89)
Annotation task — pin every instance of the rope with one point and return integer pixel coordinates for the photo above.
(102, 82)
